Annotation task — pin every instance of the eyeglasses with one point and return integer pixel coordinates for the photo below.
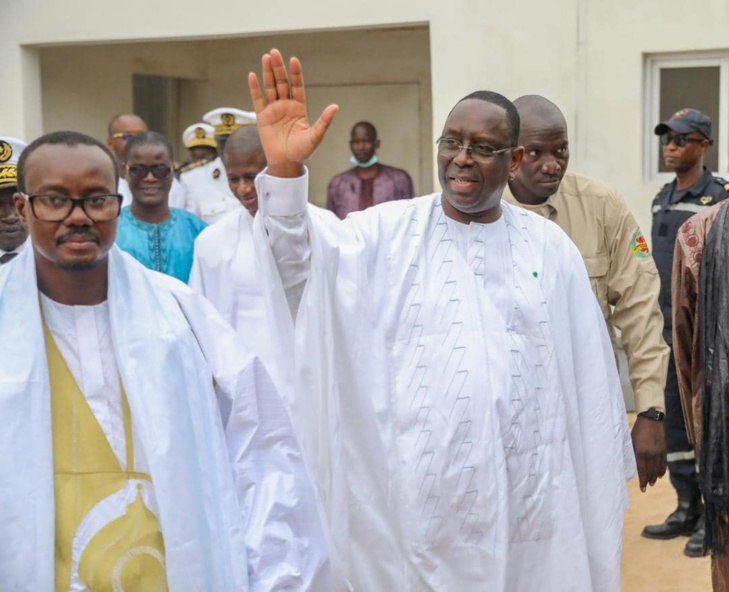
(123, 136)
(679, 141)
(56, 208)
(139, 172)
(451, 147)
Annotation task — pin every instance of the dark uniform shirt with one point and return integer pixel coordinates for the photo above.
(671, 208)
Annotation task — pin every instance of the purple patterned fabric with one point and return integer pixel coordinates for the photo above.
(344, 194)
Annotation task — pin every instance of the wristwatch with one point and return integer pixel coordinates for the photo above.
(653, 413)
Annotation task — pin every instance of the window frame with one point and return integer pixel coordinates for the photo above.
(654, 63)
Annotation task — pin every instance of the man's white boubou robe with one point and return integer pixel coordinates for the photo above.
(486, 441)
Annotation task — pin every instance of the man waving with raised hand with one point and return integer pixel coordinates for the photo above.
(456, 343)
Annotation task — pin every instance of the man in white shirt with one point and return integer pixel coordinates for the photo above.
(226, 272)
(482, 418)
(142, 447)
(224, 266)
(205, 185)
(199, 139)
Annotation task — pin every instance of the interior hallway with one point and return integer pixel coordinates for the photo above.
(658, 566)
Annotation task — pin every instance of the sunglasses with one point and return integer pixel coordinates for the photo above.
(123, 136)
(139, 172)
(679, 141)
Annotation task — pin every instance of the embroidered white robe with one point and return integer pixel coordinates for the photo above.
(487, 446)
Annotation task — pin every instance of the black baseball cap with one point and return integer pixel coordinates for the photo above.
(686, 121)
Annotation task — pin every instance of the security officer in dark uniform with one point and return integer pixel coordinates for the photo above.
(685, 138)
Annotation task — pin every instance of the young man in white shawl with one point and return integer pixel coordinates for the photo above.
(143, 447)
(226, 272)
(485, 435)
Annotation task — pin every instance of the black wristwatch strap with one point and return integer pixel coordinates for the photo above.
(653, 413)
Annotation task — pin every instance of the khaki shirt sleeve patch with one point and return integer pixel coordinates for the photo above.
(639, 246)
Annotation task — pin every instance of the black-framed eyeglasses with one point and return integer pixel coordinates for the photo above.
(48, 207)
(140, 171)
(451, 147)
(679, 141)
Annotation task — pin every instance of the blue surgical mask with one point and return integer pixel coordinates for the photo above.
(364, 165)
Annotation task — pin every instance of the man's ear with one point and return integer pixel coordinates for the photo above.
(517, 154)
(20, 206)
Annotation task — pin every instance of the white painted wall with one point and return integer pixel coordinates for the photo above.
(586, 55)
(84, 86)
(619, 35)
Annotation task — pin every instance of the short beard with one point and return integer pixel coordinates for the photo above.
(81, 265)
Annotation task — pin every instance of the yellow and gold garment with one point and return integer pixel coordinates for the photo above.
(107, 538)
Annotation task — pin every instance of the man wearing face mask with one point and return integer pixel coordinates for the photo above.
(369, 182)
(12, 231)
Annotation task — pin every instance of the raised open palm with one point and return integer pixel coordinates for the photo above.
(287, 137)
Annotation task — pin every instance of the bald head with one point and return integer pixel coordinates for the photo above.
(365, 126)
(121, 129)
(243, 141)
(543, 134)
(363, 142)
(539, 111)
(126, 122)
(244, 158)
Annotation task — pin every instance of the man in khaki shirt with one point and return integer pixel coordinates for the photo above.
(621, 268)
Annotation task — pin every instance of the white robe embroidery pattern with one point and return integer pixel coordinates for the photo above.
(466, 383)
(482, 446)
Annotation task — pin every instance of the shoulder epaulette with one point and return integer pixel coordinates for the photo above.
(721, 181)
(193, 165)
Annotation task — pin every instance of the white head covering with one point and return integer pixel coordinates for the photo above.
(225, 120)
(199, 134)
(10, 150)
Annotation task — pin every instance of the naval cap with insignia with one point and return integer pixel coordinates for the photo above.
(686, 121)
(226, 120)
(199, 134)
(10, 150)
